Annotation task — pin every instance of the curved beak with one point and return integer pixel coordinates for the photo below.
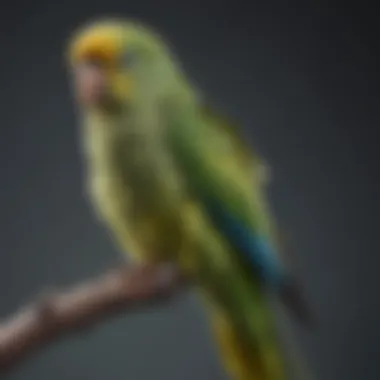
(91, 85)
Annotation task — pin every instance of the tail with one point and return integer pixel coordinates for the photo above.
(241, 360)
(241, 312)
(244, 359)
(270, 356)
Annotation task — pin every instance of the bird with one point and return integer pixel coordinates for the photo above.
(173, 179)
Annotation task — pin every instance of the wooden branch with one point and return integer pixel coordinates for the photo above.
(57, 313)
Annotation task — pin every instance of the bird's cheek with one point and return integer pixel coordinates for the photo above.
(122, 86)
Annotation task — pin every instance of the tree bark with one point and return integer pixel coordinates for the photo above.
(58, 313)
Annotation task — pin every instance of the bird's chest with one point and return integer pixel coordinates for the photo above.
(133, 190)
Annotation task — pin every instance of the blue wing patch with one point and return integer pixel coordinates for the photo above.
(257, 249)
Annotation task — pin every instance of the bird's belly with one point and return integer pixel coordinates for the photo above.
(143, 224)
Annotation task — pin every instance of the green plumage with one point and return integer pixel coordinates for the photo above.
(160, 163)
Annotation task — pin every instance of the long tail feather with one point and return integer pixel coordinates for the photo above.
(244, 359)
(241, 312)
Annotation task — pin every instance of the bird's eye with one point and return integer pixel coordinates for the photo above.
(129, 59)
(95, 62)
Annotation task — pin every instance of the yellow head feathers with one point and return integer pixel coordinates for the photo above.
(103, 41)
(108, 40)
(135, 61)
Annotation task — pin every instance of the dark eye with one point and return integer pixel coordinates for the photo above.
(95, 62)
(129, 59)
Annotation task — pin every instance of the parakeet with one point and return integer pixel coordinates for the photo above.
(173, 180)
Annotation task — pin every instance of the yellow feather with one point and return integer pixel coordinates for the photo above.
(103, 41)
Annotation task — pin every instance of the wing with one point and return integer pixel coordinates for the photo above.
(251, 160)
(218, 166)
(246, 155)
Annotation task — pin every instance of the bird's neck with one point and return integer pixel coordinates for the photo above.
(111, 141)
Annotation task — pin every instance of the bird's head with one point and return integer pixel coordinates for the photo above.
(115, 63)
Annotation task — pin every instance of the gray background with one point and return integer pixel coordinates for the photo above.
(302, 80)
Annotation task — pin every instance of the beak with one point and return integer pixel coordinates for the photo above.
(91, 85)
